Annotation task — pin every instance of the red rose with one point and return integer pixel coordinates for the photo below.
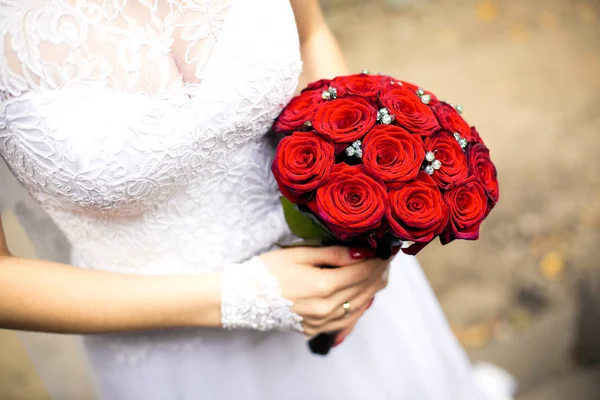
(392, 153)
(417, 210)
(468, 207)
(300, 109)
(454, 169)
(384, 80)
(303, 162)
(410, 112)
(351, 202)
(483, 169)
(451, 121)
(345, 120)
(362, 85)
(320, 85)
(414, 88)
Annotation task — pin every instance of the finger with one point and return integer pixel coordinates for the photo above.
(361, 302)
(362, 252)
(313, 327)
(345, 332)
(356, 275)
(335, 256)
(333, 309)
(328, 311)
(344, 324)
(341, 336)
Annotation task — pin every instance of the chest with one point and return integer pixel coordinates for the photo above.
(93, 147)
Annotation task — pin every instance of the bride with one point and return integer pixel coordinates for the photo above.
(139, 126)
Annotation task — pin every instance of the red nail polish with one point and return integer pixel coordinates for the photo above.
(356, 254)
(395, 250)
(338, 341)
(371, 302)
(360, 253)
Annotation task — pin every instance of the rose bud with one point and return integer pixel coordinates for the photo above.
(454, 167)
(392, 153)
(409, 111)
(452, 122)
(417, 210)
(467, 204)
(351, 202)
(303, 162)
(345, 120)
(320, 85)
(433, 99)
(363, 85)
(483, 169)
(301, 108)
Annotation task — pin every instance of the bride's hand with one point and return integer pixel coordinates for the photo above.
(318, 294)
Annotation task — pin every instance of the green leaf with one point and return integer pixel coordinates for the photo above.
(301, 224)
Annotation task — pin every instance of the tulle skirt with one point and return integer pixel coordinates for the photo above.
(401, 349)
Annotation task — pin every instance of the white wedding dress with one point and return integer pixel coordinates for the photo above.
(139, 126)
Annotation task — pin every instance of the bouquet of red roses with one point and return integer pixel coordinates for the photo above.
(369, 160)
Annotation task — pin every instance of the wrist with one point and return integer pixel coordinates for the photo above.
(207, 310)
(252, 299)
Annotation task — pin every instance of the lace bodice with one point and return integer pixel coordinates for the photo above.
(140, 125)
(146, 46)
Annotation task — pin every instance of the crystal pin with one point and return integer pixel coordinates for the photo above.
(384, 116)
(463, 142)
(329, 94)
(425, 97)
(435, 164)
(355, 149)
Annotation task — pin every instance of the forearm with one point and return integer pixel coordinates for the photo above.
(46, 296)
(320, 51)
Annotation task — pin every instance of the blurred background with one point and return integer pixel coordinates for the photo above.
(527, 295)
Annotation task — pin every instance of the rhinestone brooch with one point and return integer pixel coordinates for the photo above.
(384, 116)
(434, 164)
(329, 94)
(425, 98)
(355, 149)
(458, 108)
(461, 140)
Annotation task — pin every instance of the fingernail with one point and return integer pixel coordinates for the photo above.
(395, 250)
(356, 254)
(371, 302)
(338, 341)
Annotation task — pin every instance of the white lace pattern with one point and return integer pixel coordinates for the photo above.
(252, 299)
(140, 126)
(144, 46)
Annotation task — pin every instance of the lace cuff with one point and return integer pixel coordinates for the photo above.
(251, 299)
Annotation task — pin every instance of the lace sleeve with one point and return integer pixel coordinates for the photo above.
(251, 299)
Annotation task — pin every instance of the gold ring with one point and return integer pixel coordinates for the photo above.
(346, 307)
